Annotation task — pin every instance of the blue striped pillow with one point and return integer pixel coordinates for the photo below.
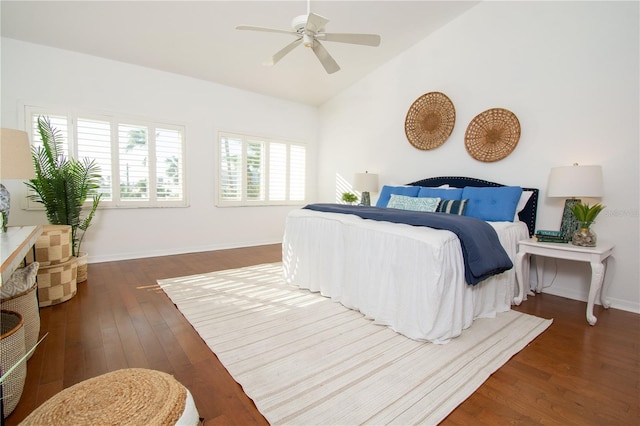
(452, 206)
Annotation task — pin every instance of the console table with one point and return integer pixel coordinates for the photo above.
(596, 256)
(15, 244)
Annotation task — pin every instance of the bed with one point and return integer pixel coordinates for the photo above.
(410, 278)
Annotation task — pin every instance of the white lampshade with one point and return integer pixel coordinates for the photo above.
(365, 182)
(575, 181)
(15, 155)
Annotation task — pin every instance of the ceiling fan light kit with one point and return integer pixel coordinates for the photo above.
(309, 30)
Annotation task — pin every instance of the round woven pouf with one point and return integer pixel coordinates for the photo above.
(132, 396)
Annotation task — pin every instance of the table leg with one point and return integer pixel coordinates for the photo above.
(597, 276)
(603, 290)
(540, 273)
(522, 275)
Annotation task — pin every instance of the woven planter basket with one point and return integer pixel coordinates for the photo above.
(83, 267)
(53, 247)
(26, 304)
(12, 349)
(57, 283)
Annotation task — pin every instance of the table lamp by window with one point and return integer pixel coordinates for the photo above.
(15, 163)
(571, 182)
(365, 182)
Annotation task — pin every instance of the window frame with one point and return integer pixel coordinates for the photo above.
(71, 139)
(244, 201)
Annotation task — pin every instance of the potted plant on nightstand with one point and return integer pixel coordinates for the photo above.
(349, 197)
(63, 184)
(585, 215)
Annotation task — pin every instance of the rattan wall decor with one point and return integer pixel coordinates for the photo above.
(430, 120)
(492, 135)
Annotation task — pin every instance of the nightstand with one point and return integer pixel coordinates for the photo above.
(596, 256)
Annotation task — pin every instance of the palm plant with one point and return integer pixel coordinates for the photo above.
(586, 214)
(63, 184)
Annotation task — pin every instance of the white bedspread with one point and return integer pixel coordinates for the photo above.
(409, 278)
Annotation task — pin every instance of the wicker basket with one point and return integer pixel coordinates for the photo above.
(57, 283)
(430, 120)
(492, 135)
(53, 247)
(83, 267)
(26, 304)
(12, 349)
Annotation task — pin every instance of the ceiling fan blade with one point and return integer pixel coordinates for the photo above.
(265, 30)
(329, 64)
(315, 23)
(363, 39)
(288, 48)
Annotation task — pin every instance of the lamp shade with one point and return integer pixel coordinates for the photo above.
(575, 181)
(15, 155)
(365, 182)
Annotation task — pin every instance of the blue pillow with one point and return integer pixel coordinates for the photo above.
(493, 204)
(419, 204)
(385, 193)
(442, 193)
(452, 206)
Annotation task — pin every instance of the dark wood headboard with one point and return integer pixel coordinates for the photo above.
(527, 215)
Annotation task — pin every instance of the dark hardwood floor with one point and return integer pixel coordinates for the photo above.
(573, 374)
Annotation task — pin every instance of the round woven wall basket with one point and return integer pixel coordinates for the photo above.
(492, 135)
(430, 121)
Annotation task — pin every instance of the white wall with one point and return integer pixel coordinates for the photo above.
(35, 73)
(568, 70)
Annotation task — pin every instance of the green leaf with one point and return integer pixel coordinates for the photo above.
(584, 213)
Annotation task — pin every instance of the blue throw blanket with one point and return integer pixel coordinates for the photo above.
(483, 254)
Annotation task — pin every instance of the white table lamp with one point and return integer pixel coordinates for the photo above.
(571, 182)
(365, 183)
(15, 163)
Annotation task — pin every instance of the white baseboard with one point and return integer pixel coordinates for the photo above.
(623, 305)
(183, 250)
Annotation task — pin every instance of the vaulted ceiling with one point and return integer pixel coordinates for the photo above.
(198, 38)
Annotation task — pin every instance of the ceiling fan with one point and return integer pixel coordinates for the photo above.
(309, 30)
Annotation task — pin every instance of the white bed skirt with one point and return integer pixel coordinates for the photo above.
(409, 278)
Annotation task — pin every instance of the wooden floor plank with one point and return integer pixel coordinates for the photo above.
(571, 374)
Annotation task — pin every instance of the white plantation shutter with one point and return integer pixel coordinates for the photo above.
(297, 173)
(259, 171)
(255, 170)
(231, 169)
(133, 151)
(277, 171)
(94, 142)
(141, 164)
(169, 164)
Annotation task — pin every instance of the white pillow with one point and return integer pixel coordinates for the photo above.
(524, 199)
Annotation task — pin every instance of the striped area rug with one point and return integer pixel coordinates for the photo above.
(307, 360)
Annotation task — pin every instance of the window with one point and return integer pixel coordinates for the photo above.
(141, 162)
(260, 171)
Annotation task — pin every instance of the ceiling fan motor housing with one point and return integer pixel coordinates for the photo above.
(300, 22)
